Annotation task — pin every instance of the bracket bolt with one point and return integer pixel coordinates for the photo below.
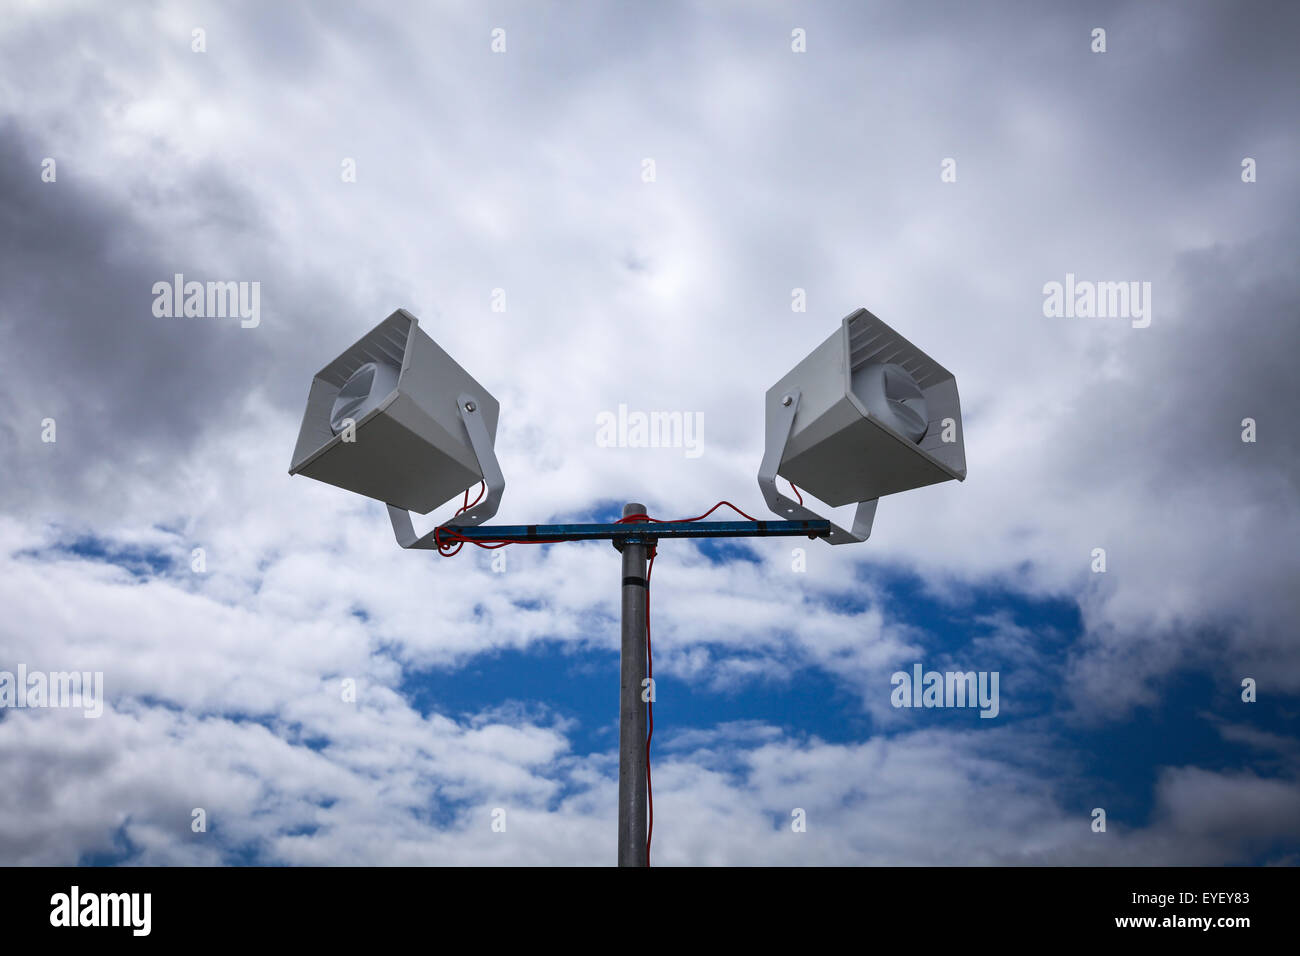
(786, 401)
(470, 406)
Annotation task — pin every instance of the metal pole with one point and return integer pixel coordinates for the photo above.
(632, 709)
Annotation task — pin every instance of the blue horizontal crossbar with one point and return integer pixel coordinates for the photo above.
(642, 530)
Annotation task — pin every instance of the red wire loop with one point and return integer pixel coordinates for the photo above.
(455, 541)
(645, 517)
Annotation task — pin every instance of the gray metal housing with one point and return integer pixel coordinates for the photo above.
(413, 449)
(824, 439)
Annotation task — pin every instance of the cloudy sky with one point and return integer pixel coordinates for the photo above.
(644, 187)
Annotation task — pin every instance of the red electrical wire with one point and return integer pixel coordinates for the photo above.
(650, 711)
(482, 490)
(446, 549)
(645, 517)
(649, 659)
(796, 492)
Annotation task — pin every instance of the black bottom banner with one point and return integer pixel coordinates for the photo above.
(332, 905)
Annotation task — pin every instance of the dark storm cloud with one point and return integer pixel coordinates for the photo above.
(1221, 349)
(1210, 545)
(130, 392)
(1230, 354)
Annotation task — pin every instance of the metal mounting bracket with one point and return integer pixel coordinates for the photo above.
(778, 433)
(481, 442)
